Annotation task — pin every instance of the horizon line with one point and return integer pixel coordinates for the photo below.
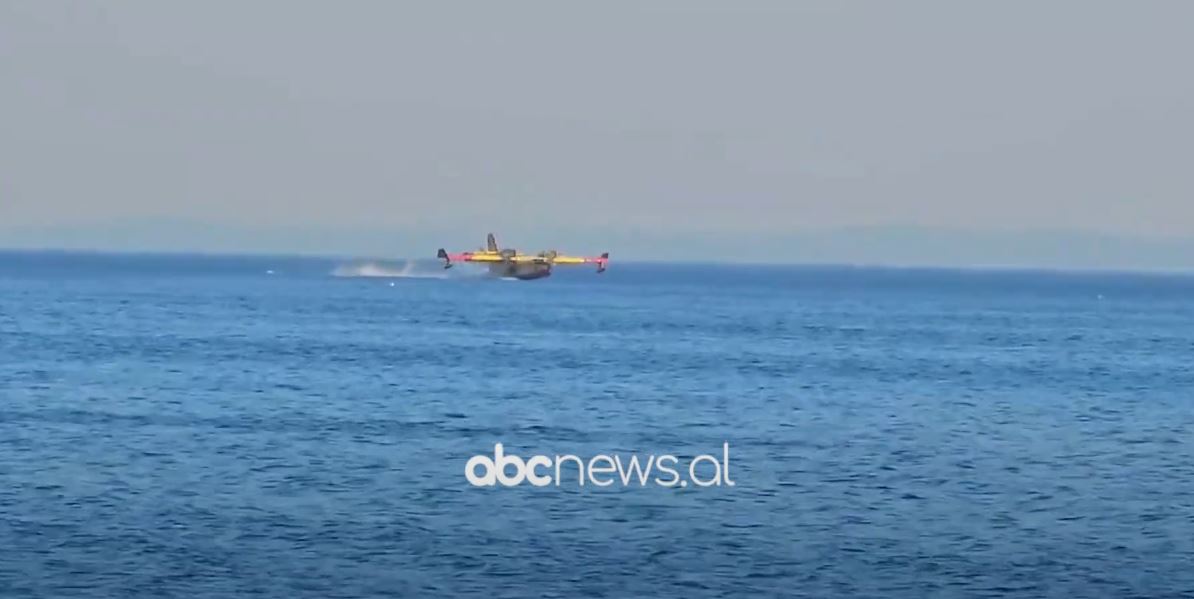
(216, 253)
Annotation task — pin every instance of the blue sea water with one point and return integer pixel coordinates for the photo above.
(191, 426)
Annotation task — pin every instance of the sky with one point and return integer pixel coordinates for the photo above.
(1019, 132)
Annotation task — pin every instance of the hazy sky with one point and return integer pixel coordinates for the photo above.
(737, 126)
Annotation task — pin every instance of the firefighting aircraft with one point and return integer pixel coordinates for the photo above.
(509, 263)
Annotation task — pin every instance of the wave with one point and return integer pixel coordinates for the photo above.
(406, 269)
(409, 269)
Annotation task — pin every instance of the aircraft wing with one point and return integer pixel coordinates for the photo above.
(530, 259)
(470, 257)
(488, 257)
(547, 258)
(601, 261)
(553, 258)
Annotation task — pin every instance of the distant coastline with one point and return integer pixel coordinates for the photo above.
(886, 246)
(332, 261)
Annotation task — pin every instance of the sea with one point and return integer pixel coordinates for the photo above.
(201, 426)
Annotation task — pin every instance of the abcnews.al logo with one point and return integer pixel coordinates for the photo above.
(602, 470)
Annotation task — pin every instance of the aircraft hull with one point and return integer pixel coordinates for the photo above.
(523, 272)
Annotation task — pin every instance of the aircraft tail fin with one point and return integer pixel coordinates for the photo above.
(491, 243)
(443, 255)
